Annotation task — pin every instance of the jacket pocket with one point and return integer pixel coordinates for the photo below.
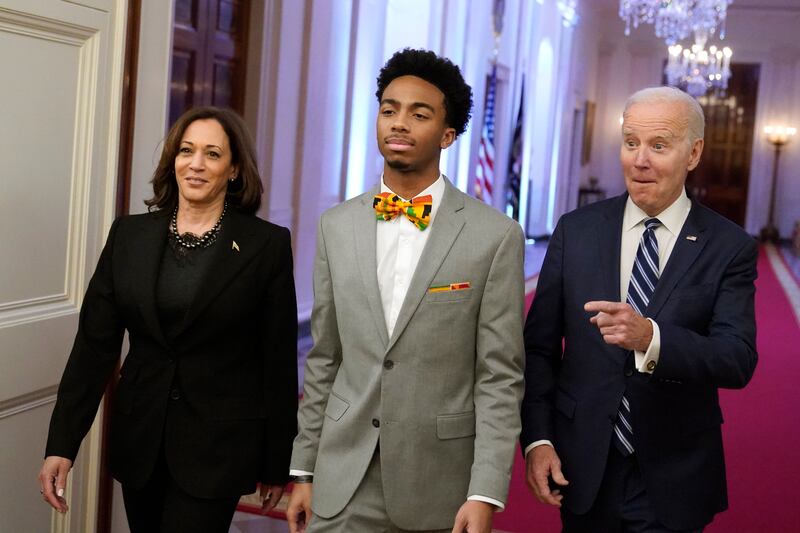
(449, 296)
(455, 426)
(336, 407)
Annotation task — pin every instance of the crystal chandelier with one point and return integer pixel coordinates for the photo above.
(697, 70)
(676, 20)
(569, 14)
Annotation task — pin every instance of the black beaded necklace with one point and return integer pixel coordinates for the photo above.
(190, 241)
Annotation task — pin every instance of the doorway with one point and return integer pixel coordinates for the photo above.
(722, 178)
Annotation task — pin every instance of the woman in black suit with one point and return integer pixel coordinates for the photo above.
(207, 396)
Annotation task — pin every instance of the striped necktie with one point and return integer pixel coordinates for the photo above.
(644, 278)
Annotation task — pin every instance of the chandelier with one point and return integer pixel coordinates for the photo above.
(676, 20)
(697, 70)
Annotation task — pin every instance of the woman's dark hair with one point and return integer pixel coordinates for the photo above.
(438, 71)
(244, 193)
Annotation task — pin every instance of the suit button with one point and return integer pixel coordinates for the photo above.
(376, 423)
(388, 364)
(628, 373)
(175, 394)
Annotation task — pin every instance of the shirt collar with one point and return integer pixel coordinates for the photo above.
(435, 189)
(671, 218)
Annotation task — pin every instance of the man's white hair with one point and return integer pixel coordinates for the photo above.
(651, 95)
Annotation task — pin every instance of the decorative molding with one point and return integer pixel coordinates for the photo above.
(39, 312)
(96, 5)
(28, 401)
(43, 28)
(88, 43)
(30, 302)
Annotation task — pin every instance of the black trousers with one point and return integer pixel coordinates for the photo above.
(163, 506)
(622, 504)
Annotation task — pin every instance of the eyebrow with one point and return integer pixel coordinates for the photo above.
(207, 146)
(414, 105)
(666, 136)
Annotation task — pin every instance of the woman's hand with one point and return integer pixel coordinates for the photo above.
(53, 481)
(270, 496)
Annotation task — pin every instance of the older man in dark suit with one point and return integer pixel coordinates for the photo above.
(651, 295)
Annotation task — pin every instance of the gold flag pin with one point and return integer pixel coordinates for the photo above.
(235, 246)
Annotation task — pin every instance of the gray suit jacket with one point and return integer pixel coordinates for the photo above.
(442, 393)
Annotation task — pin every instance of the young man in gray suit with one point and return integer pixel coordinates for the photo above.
(410, 407)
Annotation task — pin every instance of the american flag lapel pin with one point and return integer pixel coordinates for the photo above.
(235, 246)
(691, 238)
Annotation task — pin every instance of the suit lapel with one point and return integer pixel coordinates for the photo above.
(149, 242)
(365, 235)
(684, 254)
(609, 242)
(228, 259)
(445, 229)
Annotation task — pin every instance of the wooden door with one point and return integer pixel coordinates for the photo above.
(208, 55)
(721, 179)
(59, 125)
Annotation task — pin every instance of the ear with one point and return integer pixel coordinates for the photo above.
(448, 138)
(694, 156)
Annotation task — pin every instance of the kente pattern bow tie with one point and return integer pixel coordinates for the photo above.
(388, 205)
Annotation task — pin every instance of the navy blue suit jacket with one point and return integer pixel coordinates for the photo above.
(703, 305)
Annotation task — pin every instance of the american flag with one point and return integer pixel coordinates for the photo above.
(514, 175)
(484, 171)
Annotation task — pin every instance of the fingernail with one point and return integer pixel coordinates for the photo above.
(60, 493)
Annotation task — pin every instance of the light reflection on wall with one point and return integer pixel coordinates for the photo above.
(542, 135)
(386, 23)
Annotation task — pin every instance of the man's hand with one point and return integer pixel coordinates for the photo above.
(298, 513)
(621, 325)
(53, 481)
(543, 462)
(474, 517)
(270, 496)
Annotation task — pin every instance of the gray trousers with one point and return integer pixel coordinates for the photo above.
(366, 511)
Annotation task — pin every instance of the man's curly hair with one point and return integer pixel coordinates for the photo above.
(438, 71)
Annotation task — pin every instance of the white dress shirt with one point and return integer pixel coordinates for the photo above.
(398, 249)
(672, 220)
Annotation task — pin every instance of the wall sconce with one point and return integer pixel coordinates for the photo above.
(777, 136)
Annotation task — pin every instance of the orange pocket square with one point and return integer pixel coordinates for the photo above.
(460, 286)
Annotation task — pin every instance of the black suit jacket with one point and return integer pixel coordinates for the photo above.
(703, 305)
(221, 397)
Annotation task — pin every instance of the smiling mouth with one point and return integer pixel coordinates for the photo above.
(195, 181)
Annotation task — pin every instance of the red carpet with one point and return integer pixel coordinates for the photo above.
(761, 432)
